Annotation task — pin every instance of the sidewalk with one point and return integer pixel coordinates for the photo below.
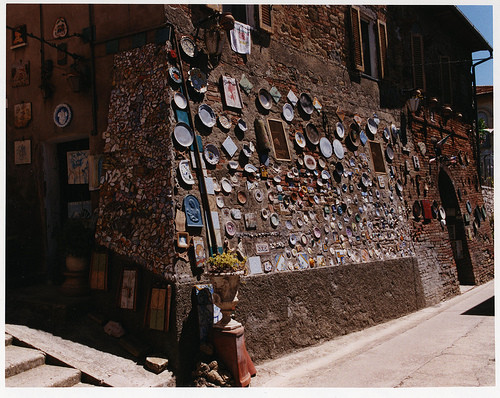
(439, 346)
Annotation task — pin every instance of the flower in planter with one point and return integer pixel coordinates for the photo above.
(226, 262)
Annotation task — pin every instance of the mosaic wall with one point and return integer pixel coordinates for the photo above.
(135, 209)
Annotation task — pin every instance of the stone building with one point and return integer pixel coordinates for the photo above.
(333, 146)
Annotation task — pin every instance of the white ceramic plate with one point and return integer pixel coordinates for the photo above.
(207, 115)
(175, 75)
(226, 185)
(338, 149)
(310, 162)
(212, 154)
(288, 112)
(300, 139)
(183, 134)
(242, 125)
(224, 121)
(325, 147)
(180, 101)
(265, 98)
(340, 130)
(185, 172)
(372, 126)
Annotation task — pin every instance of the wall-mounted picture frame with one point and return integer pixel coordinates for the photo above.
(20, 73)
(128, 289)
(22, 152)
(279, 139)
(22, 115)
(232, 95)
(19, 37)
(183, 240)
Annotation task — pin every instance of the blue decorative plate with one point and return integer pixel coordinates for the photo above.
(62, 115)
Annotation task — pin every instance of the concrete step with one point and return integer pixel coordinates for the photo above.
(8, 339)
(21, 359)
(45, 376)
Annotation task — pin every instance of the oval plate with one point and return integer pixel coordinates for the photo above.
(175, 75)
(207, 115)
(312, 134)
(309, 162)
(180, 101)
(183, 134)
(338, 149)
(372, 126)
(62, 115)
(306, 103)
(265, 98)
(212, 154)
(325, 147)
(288, 112)
(198, 80)
(188, 46)
(340, 130)
(224, 121)
(300, 139)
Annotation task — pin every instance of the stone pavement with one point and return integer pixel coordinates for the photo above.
(451, 344)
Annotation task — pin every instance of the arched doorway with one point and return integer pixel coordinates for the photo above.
(456, 229)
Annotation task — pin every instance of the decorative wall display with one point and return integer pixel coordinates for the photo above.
(78, 167)
(60, 29)
(128, 289)
(279, 139)
(62, 115)
(20, 73)
(22, 152)
(19, 37)
(99, 271)
(231, 92)
(193, 211)
(22, 114)
(199, 251)
(159, 308)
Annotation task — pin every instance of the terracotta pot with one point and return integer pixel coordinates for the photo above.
(76, 264)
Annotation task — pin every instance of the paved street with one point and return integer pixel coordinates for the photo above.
(451, 344)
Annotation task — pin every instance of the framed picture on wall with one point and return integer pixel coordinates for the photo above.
(22, 152)
(377, 157)
(78, 167)
(231, 92)
(19, 37)
(22, 115)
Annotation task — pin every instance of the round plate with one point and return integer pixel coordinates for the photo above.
(62, 115)
(198, 80)
(230, 228)
(226, 185)
(300, 139)
(212, 154)
(180, 101)
(175, 75)
(224, 121)
(242, 197)
(387, 134)
(242, 125)
(259, 195)
(233, 165)
(325, 147)
(288, 112)
(338, 149)
(442, 213)
(306, 103)
(183, 134)
(293, 240)
(275, 221)
(340, 130)
(188, 46)
(207, 115)
(312, 134)
(317, 232)
(325, 175)
(372, 126)
(309, 162)
(265, 98)
(220, 202)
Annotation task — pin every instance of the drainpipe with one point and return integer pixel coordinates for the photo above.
(474, 94)
(92, 71)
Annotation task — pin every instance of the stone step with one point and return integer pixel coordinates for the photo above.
(20, 359)
(8, 339)
(45, 376)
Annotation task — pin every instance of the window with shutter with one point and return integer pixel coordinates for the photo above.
(445, 69)
(382, 47)
(417, 52)
(357, 39)
(265, 18)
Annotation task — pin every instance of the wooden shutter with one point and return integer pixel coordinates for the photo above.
(417, 54)
(382, 46)
(357, 39)
(446, 86)
(265, 18)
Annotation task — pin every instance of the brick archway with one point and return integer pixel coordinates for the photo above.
(456, 229)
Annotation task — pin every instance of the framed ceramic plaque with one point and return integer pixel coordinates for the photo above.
(22, 152)
(231, 92)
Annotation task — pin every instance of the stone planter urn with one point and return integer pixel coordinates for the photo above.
(76, 277)
(226, 298)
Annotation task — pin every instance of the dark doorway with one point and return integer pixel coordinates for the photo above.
(456, 230)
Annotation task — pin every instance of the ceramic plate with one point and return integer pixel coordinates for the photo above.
(275, 220)
(325, 175)
(212, 154)
(180, 101)
(338, 149)
(242, 197)
(198, 80)
(340, 130)
(387, 134)
(224, 121)
(372, 126)
(207, 115)
(185, 172)
(259, 195)
(62, 115)
(220, 202)
(288, 112)
(310, 162)
(442, 213)
(175, 75)
(317, 232)
(300, 139)
(233, 165)
(389, 152)
(293, 240)
(242, 125)
(265, 98)
(188, 46)
(226, 185)
(183, 134)
(250, 168)
(230, 228)
(325, 147)
(312, 133)
(306, 103)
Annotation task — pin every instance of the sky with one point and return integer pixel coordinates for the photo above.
(482, 18)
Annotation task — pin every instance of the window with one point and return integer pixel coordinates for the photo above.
(417, 61)
(445, 77)
(369, 38)
(256, 16)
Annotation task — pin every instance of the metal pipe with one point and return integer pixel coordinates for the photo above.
(92, 71)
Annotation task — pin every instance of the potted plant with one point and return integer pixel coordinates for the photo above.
(75, 243)
(224, 270)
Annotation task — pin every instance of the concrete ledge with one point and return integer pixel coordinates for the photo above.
(45, 376)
